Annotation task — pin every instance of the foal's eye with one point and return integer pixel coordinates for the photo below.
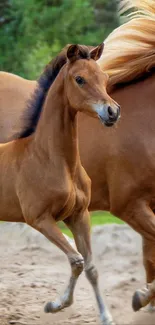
(80, 81)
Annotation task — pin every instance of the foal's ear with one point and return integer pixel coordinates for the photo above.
(76, 52)
(73, 52)
(96, 53)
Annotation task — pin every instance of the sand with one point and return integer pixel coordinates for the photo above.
(33, 271)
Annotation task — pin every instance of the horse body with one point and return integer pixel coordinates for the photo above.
(116, 158)
(22, 166)
(120, 161)
(111, 167)
(42, 179)
(112, 147)
(53, 160)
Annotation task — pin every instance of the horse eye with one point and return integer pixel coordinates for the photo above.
(80, 81)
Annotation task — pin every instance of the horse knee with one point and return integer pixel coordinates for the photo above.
(91, 274)
(77, 264)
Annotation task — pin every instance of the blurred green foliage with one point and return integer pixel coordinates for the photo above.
(33, 31)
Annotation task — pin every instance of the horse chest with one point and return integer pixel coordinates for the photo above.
(76, 203)
(62, 197)
(78, 197)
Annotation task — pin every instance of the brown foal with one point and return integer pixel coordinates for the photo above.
(42, 180)
(120, 161)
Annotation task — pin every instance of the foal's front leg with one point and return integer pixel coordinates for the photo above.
(48, 227)
(80, 227)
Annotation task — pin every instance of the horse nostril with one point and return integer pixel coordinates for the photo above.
(110, 112)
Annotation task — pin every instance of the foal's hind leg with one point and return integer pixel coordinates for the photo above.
(80, 227)
(48, 227)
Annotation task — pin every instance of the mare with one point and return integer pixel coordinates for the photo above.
(121, 160)
(42, 180)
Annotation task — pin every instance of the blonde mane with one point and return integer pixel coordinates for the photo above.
(130, 49)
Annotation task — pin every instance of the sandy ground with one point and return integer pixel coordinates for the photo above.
(33, 271)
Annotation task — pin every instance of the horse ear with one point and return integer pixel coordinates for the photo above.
(76, 52)
(73, 52)
(96, 53)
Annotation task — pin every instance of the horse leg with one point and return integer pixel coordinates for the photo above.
(142, 219)
(48, 227)
(149, 264)
(80, 227)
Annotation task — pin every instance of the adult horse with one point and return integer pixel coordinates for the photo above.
(120, 161)
(42, 180)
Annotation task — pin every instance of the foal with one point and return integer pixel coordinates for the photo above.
(42, 180)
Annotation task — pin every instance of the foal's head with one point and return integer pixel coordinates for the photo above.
(85, 84)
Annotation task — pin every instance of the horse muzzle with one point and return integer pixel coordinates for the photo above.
(109, 115)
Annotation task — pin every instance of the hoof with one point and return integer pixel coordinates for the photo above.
(107, 320)
(52, 307)
(136, 302)
(48, 308)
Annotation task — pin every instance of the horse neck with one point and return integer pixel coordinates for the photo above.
(56, 133)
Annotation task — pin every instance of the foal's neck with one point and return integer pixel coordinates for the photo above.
(56, 134)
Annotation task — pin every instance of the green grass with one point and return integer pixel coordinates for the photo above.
(97, 218)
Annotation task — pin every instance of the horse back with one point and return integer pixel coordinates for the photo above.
(14, 94)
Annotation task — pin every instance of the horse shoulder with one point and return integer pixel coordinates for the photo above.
(82, 189)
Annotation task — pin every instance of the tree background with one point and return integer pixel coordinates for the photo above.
(34, 31)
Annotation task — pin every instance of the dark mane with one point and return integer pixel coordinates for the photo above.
(45, 81)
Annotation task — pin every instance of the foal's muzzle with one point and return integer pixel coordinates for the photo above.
(109, 115)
